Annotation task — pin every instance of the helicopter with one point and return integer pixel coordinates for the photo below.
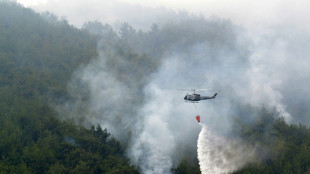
(195, 98)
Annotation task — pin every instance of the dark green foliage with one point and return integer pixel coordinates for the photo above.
(186, 167)
(284, 148)
(37, 58)
(38, 54)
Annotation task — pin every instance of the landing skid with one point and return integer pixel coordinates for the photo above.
(191, 101)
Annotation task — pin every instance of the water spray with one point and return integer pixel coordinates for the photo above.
(219, 155)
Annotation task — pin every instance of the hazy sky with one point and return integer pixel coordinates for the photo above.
(278, 53)
(256, 14)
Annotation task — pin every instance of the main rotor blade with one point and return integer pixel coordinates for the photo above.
(186, 89)
(205, 89)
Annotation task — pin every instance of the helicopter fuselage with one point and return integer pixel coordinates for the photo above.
(197, 97)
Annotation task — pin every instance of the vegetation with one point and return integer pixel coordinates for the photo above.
(283, 148)
(37, 58)
(39, 53)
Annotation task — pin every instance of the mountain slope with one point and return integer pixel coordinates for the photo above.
(37, 58)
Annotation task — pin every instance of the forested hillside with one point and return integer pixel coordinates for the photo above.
(38, 55)
(281, 148)
(53, 121)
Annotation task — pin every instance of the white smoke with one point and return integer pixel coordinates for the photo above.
(154, 143)
(265, 66)
(246, 67)
(164, 128)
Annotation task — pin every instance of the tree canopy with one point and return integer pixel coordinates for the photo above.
(38, 55)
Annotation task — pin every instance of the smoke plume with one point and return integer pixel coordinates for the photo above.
(131, 88)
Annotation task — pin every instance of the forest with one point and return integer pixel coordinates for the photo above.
(40, 56)
(37, 59)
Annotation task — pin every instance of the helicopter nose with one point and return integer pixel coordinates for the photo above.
(185, 97)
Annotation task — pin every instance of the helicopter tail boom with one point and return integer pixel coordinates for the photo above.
(207, 97)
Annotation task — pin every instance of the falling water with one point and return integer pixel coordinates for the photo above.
(218, 155)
